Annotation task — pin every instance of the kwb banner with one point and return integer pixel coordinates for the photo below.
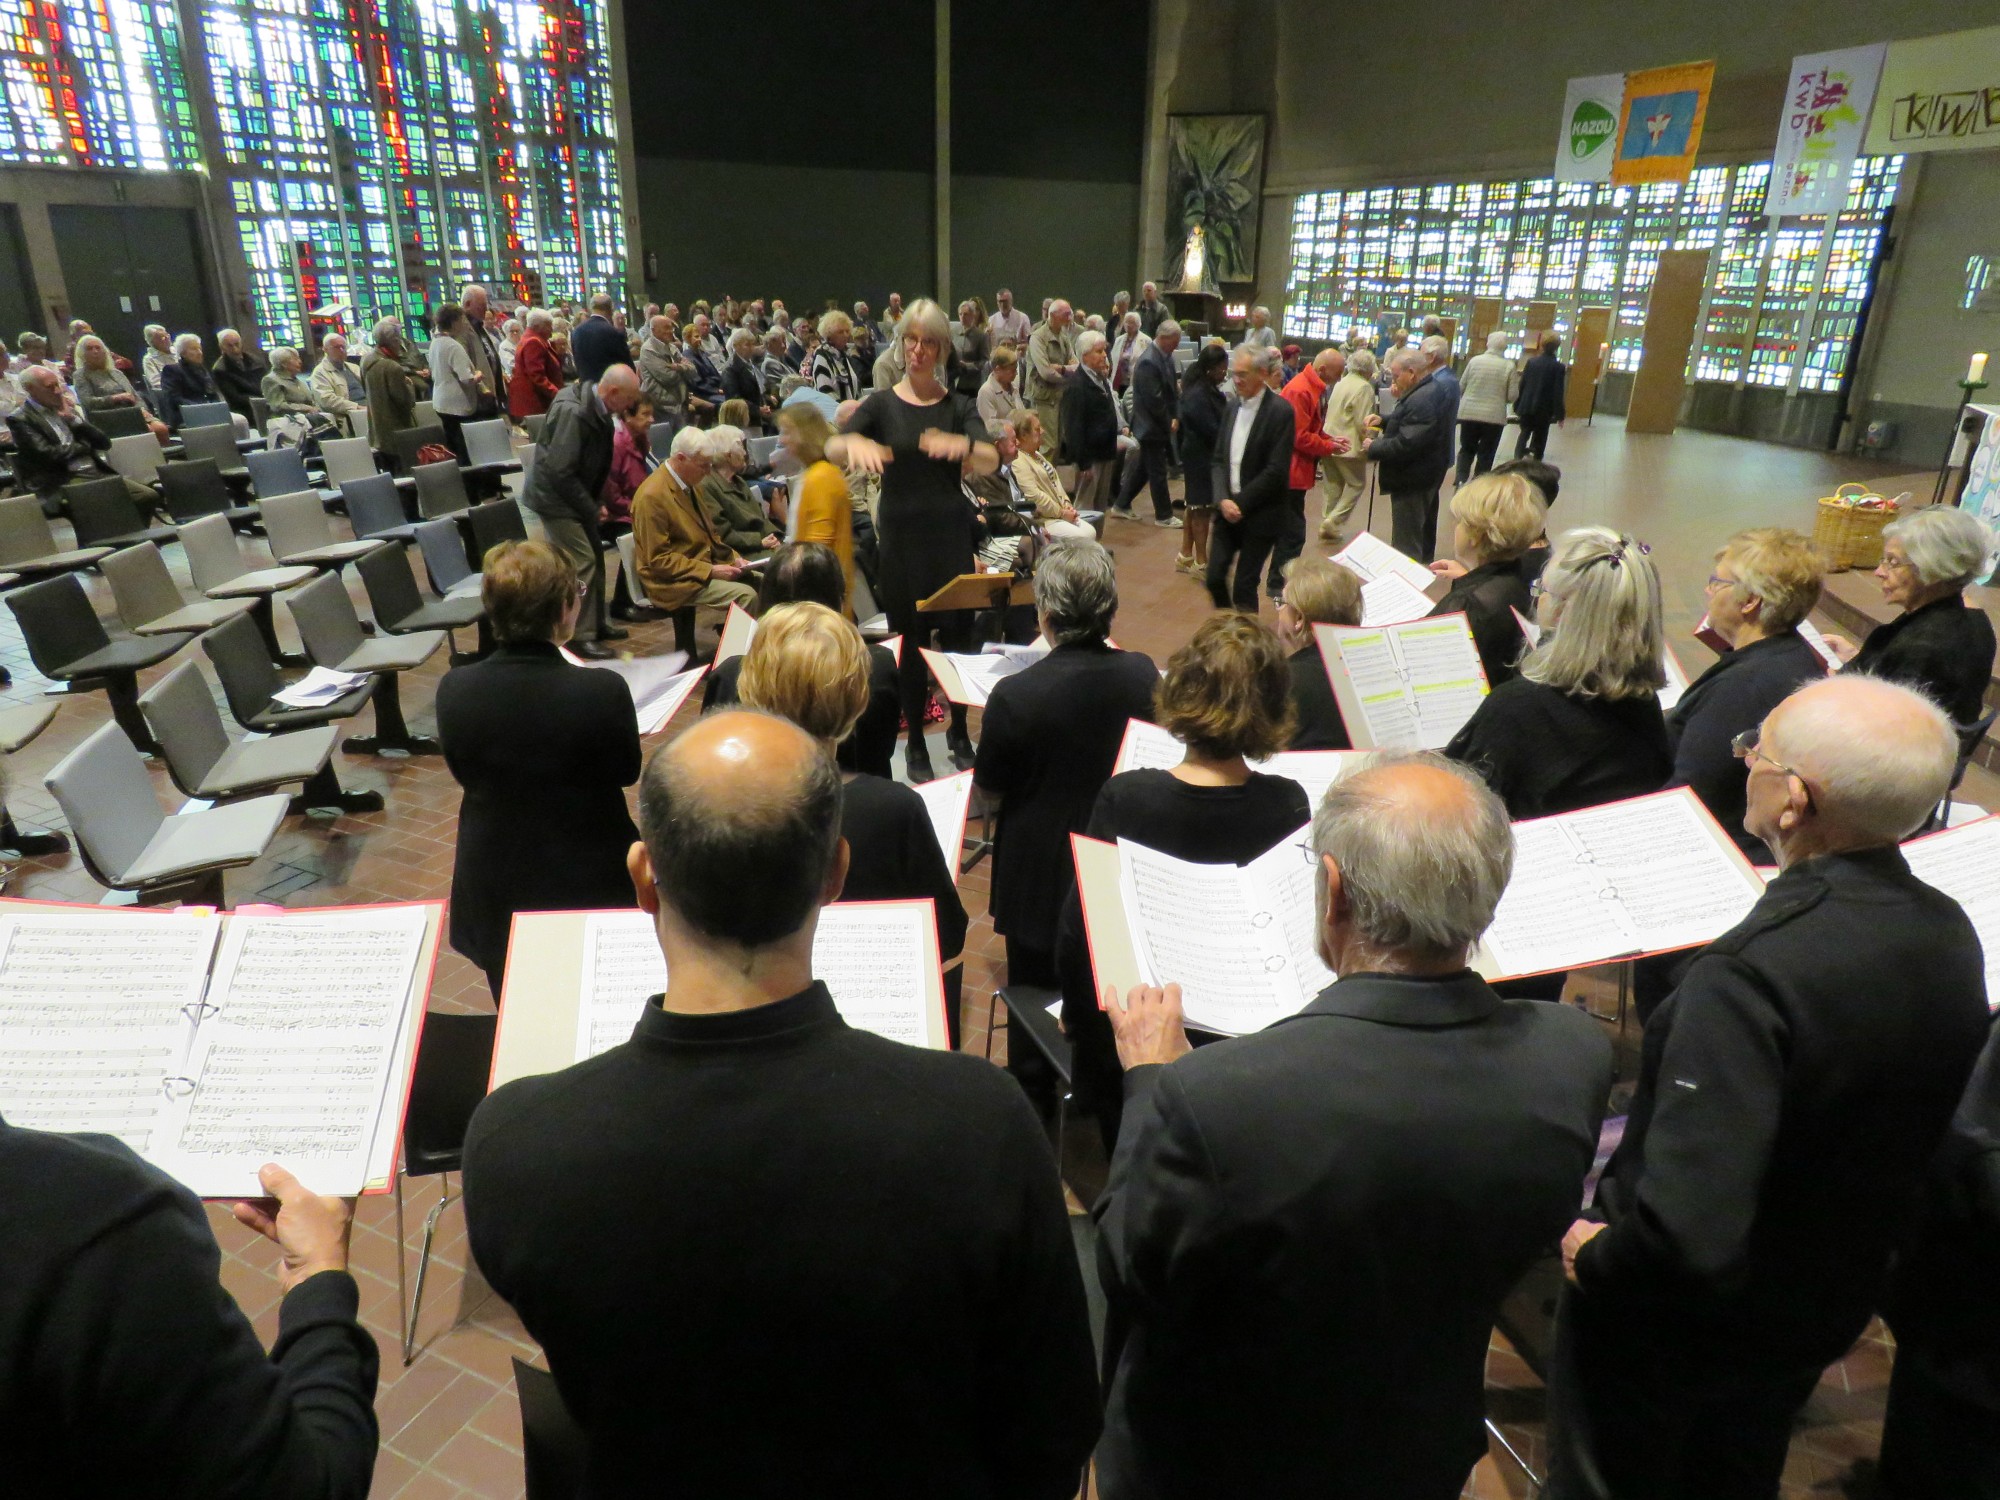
(1821, 129)
(1939, 93)
(1660, 129)
(1590, 128)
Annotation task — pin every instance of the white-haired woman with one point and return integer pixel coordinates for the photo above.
(920, 436)
(187, 381)
(101, 386)
(1938, 645)
(1580, 723)
(291, 400)
(159, 354)
(732, 506)
(1482, 409)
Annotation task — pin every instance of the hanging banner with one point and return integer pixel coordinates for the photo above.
(1939, 93)
(1820, 131)
(1659, 130)
(1590, 128)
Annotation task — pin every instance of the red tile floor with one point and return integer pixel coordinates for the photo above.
(450, 1425)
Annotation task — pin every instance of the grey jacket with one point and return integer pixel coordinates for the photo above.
(572, 457)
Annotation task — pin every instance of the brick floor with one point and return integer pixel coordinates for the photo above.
(450, 1425)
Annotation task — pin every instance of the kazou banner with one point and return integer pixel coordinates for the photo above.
(1660, 129)
(1590, 128)
(1820, 131)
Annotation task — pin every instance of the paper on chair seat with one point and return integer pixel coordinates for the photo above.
(319, 687)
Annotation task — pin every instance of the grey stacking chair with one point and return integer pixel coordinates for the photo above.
(282, 471)
(260, 414)
(533, 426)
(217, 444)
(116, 422)
(27, 546)
(250, 681)
(68, 643)
(400, 609)
(300, 533)
(426, 414)
(487, 526)
(129, 844)
(207, 414)
(375, 510)
(489, 448)
(443, 546)
(441, 489)
(759, 450)
(403, 446)
(358, 420)
(221, 572)
(195, 487)
(204, 762)
(137, 456)
(150, 604)
(334, 639)
(103, 514)
(349, 459)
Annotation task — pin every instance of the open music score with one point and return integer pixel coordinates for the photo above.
(211, 1044)
(970, 680)
(948, 799)
(738, 628)
(1148, 747)
(1368, 558)
(577, 982)
(1404, 687)
(1389, 600)
(1964, 863)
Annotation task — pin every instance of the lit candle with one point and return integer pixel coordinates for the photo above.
(1976, 372)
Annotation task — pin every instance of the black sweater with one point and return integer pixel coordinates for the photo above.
(1944, 649)
(768, 1254)
(1546, 752)
(125, 1367)
(1488, 595)
(1734, 695)
(1321, 725)
(893, 854)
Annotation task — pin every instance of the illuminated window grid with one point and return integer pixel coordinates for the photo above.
(94, 83)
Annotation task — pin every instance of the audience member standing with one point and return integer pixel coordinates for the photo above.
(831, 372)
(1087, 418)
(1155, 411)
(543, 752)
(537, 376)
(1052, 359)
(1260, 334)
(1412, 452)
(998, 400)
(1152, 312)
(1202, 408)
(825, 510)
(924, 1334)
(1318, 591)
(1306, 393)
(1792, 1092)
(1495, 520)
(455, 385)
(483, 350)
(1482, 409)
(597, 343)
(1542, 398)
(1253, 461)
(1350, 404)
(392, 398)
(1008, 324)
(572, 459)
(1307, 1232)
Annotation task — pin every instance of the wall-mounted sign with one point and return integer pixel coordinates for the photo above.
(1939, 93)
(1589, 138)
(1660, 129)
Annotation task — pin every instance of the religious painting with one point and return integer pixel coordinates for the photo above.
(1215, 186)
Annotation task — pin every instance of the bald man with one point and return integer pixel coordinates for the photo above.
(1792, 1092)
(1307, 1231)
(766, 1253)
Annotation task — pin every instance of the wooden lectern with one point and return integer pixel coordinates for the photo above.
(980, 591)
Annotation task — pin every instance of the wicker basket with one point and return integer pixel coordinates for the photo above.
(1847, 532)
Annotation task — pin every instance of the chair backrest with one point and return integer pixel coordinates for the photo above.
(277, 471)
(533, 425)
(392, 591)
(426, 415)
(373, 506)
(181, 713)
(440, 489)
(346, 460)
(212, 553)
(295, 524)
(628, 550)
(207, 414)
(487, 442)
(260, 413)
(243, 665)
(660, 437)
(100, 508)
(136, 456)
(194, 487)
(404, 445)
(443, 547)
(554, 1449)
(218, 443)
(140, 583)
(358, 420)
(760, 450)
(491, 524)
(105, 793)
(119, 421)
(328, 626)
(57, 622)
(24, 530)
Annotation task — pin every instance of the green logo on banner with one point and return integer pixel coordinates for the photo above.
(1590, 129)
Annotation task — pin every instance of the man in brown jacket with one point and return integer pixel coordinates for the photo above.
(676, 551)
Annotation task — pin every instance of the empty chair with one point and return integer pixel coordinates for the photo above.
(27, 546)
(148, 602)
(358, 420)
(440, 489)
(375, 509)
(221, 572)
(68, 644)
(195, 487)
(137, 456)
(683, 618)
(129, 844)
(217, 444)
(533, 426)
(454, 1063)
(349, 459)
(489, 447)
(103, 514)
(443, 547)
(401, 610)
(333, 638)
(20, 724)
(405, 445)
(300, 533)
(426, 415)
(260, 414)
(250, 682)
(205, 762)
(491, 524)
(661, 439)
(282, 471)
(120, 421)
(207, 414)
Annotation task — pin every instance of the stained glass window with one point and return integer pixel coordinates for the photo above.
(94, 83)
(1782, 300)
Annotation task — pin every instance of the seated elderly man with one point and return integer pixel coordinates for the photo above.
(1019, 484)
(54, 443)
(1793, 1091)
(680, 558)
(1308, 1230)
(336, 384)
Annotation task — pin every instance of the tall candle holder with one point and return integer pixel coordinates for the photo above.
(1967, 389)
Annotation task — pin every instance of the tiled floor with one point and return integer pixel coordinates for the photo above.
(450, 1425)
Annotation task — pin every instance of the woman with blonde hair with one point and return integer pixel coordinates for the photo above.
(825, 509)
(1580, 724)
(1496, 518)
(102, 386)
(1318, 591)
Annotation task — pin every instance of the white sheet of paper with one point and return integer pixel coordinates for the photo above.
(1817, 641)
(1368, 557)
(292, 1059)
(660, 705)
(739, 628)
(319, 686)
(946, 800)
(1315, 770)
(1390, 600)
(1964, 863)
(1148, 747)
(979, 674)
(622, 968)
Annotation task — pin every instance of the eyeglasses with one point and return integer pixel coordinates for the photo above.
(1717, 581)
(1745, 748)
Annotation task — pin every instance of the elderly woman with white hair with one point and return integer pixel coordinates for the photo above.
(731, 505)
(921, 437)
(1939, 645)
(101, 386)
(293, 406)
(187, 382)
(1482, 408)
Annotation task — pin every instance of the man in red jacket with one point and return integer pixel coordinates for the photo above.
(1306, 394)
(537, 373)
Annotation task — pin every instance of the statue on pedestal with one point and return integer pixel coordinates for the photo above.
(1194, 275)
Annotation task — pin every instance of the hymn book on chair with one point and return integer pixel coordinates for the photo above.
(211, 1044)
(1404, 687)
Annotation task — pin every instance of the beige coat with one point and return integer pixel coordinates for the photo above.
(674, 545)
(1348, 407)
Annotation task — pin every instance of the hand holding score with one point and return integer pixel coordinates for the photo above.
(310, 1229)
(1448, 567)
(1581, 1233)
(1148, 1025)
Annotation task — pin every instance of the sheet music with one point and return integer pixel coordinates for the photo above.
(872, 957)
(1964, 863)
(1677, 680)
(1811, 634)
(1390, 600)
(1148, 747)
(1368, 557)
(978, 675)
(290, 1062)
(1377, 675)
(622, 968)
(1447, 682)
(1315, 770)
(738, 630)
(946, 800)
(1284, 877)
(96, 1011)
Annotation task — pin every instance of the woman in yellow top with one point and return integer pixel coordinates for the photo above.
(826, 513)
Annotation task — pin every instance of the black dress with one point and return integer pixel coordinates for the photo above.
(1202, 406)
(1944, 649)
(1209, 825)
(1546, 751)
(544, 751)
(1734, 695)
(1488, 595)
(1321, 726)
(893, 855)
(872, 745)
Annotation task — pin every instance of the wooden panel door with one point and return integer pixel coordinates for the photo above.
(126, 266)
(1661, 384)
(1593, 332)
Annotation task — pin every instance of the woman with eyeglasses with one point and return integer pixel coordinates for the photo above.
(1496, 518)
(1939, 644)
(1580, 724)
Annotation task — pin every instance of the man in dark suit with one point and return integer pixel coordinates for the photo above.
(1413, 452)
(54, 443)
(740, 379)
(849, 1270)
(596, 343)
(1542, 398)
(1088, 421)
(1253, 461)
(705, 384)
(1307, 1232)
(572, 458)
(1155, 402)
(1792, 1092)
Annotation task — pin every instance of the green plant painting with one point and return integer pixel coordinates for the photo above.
(1215, 178)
